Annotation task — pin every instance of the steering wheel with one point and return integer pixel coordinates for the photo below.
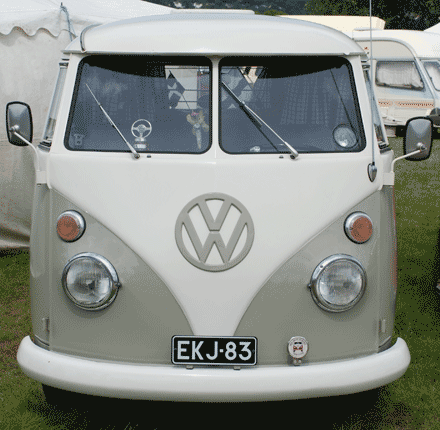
(143, 128)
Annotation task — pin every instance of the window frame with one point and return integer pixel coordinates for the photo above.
(425, 62)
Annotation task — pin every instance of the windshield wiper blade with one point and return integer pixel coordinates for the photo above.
(135, 154)
(258, 122)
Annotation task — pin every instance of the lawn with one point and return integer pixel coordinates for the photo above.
(412, 402)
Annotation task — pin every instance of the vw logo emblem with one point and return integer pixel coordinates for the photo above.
(214, 232)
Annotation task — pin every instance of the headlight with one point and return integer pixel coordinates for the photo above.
(90, 281)
(338, 283)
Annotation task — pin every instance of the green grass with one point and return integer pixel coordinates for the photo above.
(417, 312)
(412, 402)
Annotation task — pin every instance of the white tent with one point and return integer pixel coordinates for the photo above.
(32, 35)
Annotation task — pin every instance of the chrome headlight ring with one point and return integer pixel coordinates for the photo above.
(338, 283)
(90, 281)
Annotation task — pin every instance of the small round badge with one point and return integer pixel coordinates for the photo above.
(298, 348)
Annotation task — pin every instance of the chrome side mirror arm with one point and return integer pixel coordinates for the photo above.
(14, 130)
(421, 147)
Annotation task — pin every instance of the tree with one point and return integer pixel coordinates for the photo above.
(406, 14)
(273, 12)
(291, 7)
(334, 7)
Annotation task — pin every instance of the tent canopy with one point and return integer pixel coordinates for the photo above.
(55, 15)
(33, 34)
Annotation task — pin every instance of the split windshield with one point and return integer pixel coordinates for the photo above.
(164, 105)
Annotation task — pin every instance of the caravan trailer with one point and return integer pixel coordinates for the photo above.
(214, 216)
(406, 74)
(405, 69)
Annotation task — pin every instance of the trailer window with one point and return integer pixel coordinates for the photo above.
(398, 74)
(305, 101)
(158, 105)
(433, 69)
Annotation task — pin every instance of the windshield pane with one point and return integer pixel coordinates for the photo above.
(308, 102)
(159, 105)
(433, 69)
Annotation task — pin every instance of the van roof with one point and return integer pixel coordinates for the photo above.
(422, 43)
(214, 34)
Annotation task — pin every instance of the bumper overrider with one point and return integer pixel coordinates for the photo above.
(176, 383)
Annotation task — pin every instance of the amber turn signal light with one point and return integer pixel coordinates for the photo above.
(358, 227)
(70, 226)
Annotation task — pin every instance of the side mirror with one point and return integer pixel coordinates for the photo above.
(418, 130)
(19, 123)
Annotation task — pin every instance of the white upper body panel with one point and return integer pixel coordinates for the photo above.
(215, 34)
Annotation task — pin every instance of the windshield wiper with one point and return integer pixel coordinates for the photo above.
(258, 122)
(135, 154)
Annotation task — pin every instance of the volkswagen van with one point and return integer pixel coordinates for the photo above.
(213, 216)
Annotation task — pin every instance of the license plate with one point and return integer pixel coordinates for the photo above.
(225, 351)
